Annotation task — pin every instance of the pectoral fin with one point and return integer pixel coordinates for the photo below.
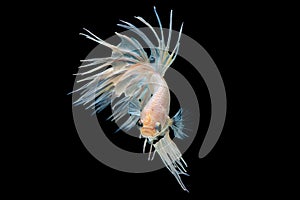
(177, 125)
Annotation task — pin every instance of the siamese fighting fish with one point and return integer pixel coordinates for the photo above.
(135, 81)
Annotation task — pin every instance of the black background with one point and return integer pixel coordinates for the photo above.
(236, 167)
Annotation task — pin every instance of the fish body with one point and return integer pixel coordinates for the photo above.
(157, 108)
(134, 85)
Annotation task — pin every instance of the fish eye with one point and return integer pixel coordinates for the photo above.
(140, 123)
(151, 59)
(158, 126)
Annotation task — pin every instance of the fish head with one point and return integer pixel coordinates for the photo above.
(150, 125)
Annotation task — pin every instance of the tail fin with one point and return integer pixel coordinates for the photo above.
(163, 59)
(127, 71)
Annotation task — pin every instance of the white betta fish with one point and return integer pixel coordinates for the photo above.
(146, 97)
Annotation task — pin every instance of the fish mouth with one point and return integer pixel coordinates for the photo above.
(147, 131)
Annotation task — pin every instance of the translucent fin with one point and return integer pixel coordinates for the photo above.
(160, 53)
(134, 108)
(126, 72)
(178, 126)
(172, 158)
(103, 84)
(161, 30)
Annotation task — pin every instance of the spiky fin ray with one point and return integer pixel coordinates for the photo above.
(161, 30)
(172, 158)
